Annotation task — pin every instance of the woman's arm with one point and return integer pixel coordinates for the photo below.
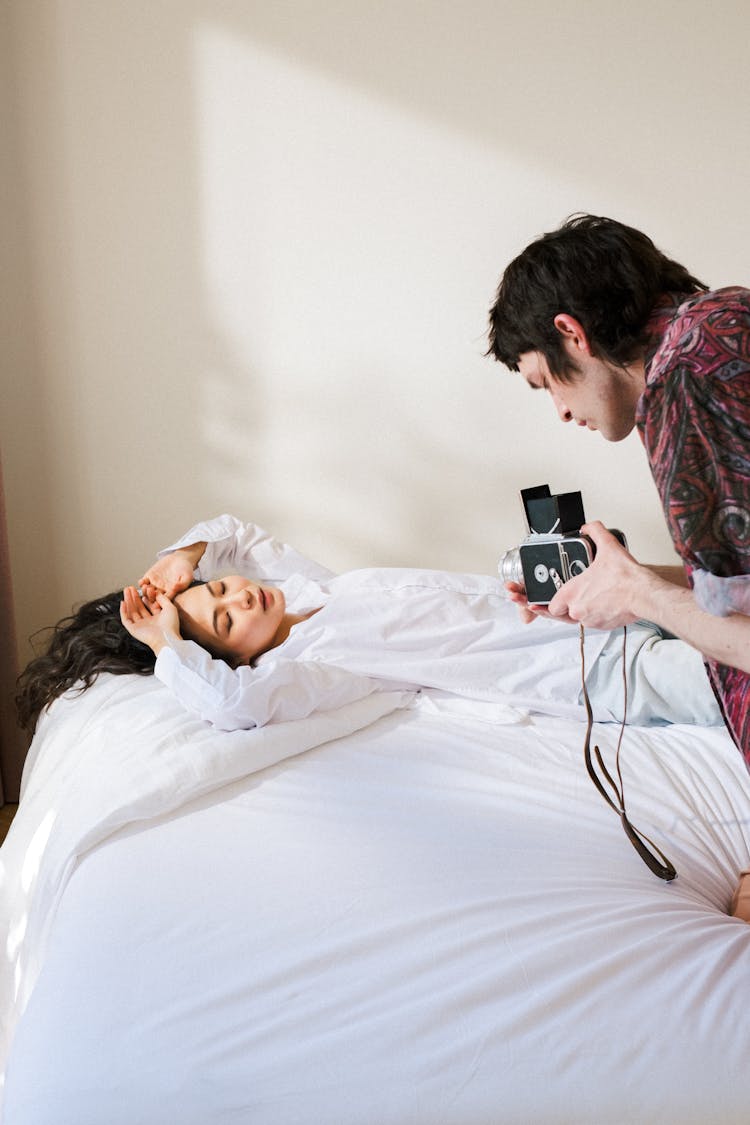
(231, 546)
(245, 697)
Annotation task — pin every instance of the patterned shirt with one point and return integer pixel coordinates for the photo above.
(694, 421)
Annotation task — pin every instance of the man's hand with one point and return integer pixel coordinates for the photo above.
(605, 594)
(517, 595)
(150, 622)
(616, 590)
(173, 573)
(595, 597)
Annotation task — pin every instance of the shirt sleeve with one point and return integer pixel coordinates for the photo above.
(245, 548)
(697, 428)
(240, 698)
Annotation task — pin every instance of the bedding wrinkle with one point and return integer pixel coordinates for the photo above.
(403, 912)
(135, 754)
(408, 911)
(697, 817)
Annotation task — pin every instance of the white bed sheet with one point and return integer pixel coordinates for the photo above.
(122, 752)
(434, 919)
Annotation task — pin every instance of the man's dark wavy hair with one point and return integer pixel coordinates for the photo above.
(91, 640)
(607, 275)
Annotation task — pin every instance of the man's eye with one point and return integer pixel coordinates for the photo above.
(229, 622)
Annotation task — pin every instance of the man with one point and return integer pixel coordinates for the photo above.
(620, 336)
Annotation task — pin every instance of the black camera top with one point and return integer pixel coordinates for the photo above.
(552, 515)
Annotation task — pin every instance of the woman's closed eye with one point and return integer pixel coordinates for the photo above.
(222, 622)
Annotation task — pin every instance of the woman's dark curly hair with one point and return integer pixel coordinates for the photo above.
(609, 276)
(91, 640)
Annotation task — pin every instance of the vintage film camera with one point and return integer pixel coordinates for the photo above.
(554, 550)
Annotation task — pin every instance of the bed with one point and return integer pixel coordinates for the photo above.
(415, 910)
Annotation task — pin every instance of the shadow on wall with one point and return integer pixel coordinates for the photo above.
(385, 161)
(600, 91)
(263, 240)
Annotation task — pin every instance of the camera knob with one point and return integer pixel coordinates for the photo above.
(541, 573)
(555, 578)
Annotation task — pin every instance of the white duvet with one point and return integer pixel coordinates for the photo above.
(430, 918)
(122, 752)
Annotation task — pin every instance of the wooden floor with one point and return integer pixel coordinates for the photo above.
(7, 812)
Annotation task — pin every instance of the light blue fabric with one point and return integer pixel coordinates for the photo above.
(667, 680)
(722, 596)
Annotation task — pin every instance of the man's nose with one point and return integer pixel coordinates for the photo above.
(564, 414)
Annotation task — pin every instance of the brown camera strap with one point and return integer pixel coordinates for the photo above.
(651, 855)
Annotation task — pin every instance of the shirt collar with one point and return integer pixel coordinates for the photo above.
(658, 324)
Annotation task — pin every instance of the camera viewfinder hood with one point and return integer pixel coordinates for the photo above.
(546, 514)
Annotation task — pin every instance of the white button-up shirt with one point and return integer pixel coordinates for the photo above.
(375, 629)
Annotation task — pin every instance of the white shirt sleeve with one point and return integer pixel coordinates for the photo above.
(244, 697)
(245, 548)
(721, 596)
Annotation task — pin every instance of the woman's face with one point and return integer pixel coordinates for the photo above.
(231, 617)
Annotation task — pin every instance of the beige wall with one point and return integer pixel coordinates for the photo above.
(253, 245)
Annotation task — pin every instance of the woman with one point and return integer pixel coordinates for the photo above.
(283, 637)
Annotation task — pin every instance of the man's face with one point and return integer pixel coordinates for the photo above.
(601, 397)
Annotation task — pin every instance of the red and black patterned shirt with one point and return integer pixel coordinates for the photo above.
(694, 421)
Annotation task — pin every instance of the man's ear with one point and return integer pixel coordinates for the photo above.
(573, 333)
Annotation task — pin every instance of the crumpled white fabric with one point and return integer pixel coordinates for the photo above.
(722, 596)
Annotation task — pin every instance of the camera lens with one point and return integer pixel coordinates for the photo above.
(509, 568)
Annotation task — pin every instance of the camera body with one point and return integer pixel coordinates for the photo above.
(554, 550)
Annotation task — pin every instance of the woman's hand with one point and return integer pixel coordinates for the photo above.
(150, 622)
(173, 573)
